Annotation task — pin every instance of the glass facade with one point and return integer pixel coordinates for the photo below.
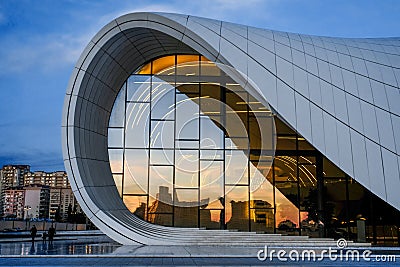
(189, 147)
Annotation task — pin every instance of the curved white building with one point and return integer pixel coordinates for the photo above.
(325, 109)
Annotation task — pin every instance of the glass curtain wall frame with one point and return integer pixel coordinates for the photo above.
(194, 99)
(288, 200)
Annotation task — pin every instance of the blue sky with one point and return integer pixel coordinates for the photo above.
(40, 42)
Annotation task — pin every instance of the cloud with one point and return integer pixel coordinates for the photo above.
(37, 161)
(216, 9)
(60, 47)
(47, 52)
(135, 8)
(28, 142)
(238, 4)
(51, 51)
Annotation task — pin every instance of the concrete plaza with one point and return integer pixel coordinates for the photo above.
(100, 250)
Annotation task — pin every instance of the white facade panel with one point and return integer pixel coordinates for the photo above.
(318, 88)
(345, 152)
(354, 111)
(386, 136)
(300, 81)
(359, 158)
(392, 177)
(317, 128)
(263, 56)
(330, 134)
(303, 116)
(375, 168)
(286, 102)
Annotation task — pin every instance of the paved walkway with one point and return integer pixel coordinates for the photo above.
(121, 261)
(103, 260)
(100, 250)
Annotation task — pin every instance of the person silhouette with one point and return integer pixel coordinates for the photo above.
(33, 234)
(44, 237)
(51, 234)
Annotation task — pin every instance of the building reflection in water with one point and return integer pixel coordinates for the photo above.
(88, 247)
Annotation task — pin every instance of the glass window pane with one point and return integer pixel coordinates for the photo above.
(161, 184)
(117, 117)
(287, 214)
(186, 216)
(307, 175)
(237, 208)
(116, 137)
(164, 65)
(161, 156)
(282, 128)
(162, 134)
(210, 219)
(135, 171)
(160, 219)
(261, 132)
(187, 144)
(236, 167)
(330, 170)
(187, 117)
(186, 168)
(145, 69)
(157, 206)
(237, 101)
(162, 99)
(137, 129)
(211, 91)
(336, 189)
(116, 158)
(208, 68)
(241, 143)
(118, 182)
(186, 208)
(187, 88)
(138, 88)
(286, 143)
(256, 106)
(304, 145)
(212, 154)
(262, 220)
(306, 160)
(187, 65)
(212, 183)
(187, 197)
(236, 112)
(211, 136)
(285, 169)
(255, 133)
(236, 124)
(261, 190)
(136, 205)
(233, 86)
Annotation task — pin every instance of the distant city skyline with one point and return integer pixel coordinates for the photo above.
(27, 194)
(41, 42)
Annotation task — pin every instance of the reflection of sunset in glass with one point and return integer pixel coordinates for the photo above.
(133, 202)
(197, 152)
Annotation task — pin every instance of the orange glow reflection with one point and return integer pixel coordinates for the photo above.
(164, 64)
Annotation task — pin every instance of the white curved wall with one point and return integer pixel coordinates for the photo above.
(340, 94)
